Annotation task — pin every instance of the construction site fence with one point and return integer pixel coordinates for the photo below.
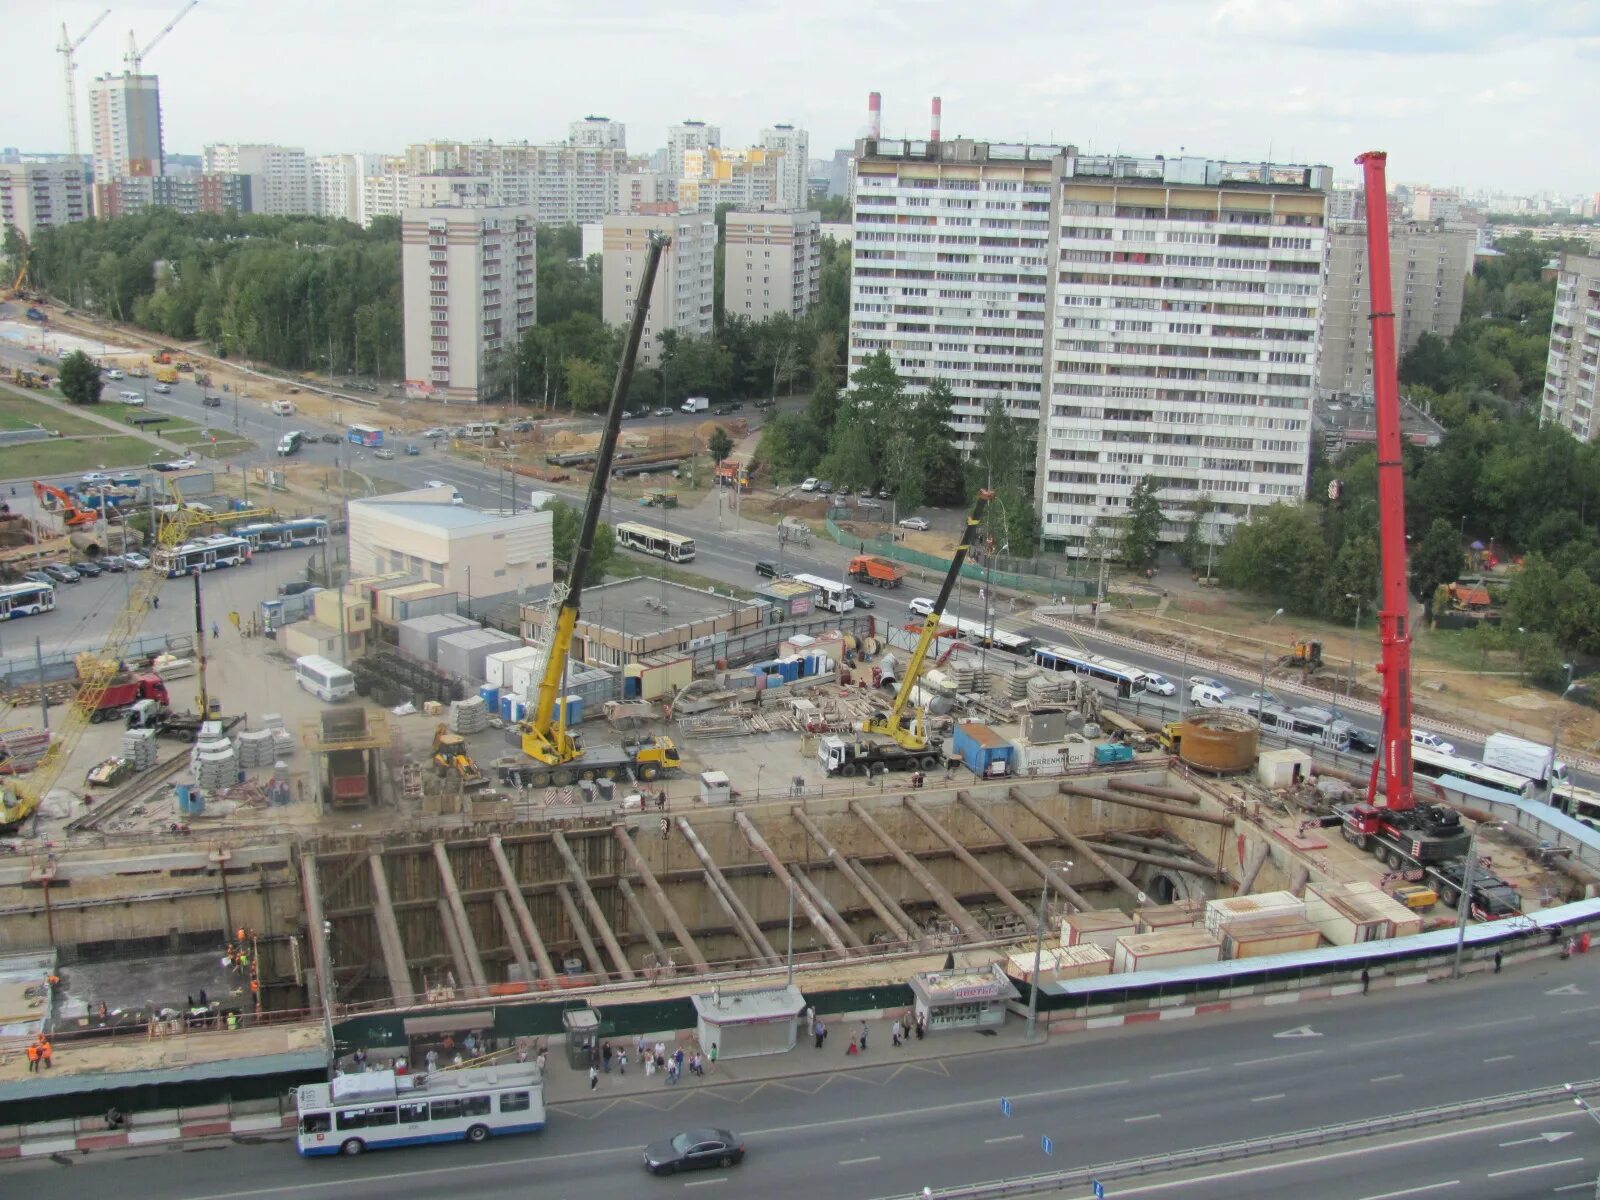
(58, 665)
(1066, 577)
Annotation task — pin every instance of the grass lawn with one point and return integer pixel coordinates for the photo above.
(226, 446)
(120, 412)
(19, 411)
(61, 457)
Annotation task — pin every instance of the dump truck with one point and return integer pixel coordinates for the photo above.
(125, 691)
(880, 572)
(166, 375)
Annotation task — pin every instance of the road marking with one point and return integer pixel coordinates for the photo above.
(1543, 1137)
(1146, 1117)
(1177, 1074)
(1572, 1187)
(1015, 1137)
(1254, 1062)
(1500, 1058)
(1570, 989)
(1385, 1078)
(855, 1162)
(1265, 1099)
(704, 1182)
(1399, 1037)
(1415, 1191)
(1567, 1012)
(1299, 1031)
(1565, 1162)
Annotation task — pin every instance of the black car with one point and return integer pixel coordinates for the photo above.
(88, 568)
(210, 400)
(763, 405)
(865, 601)
(333, 439)
(294, 587)
(692, 1150)
(163, 467)
(767, 568)
(1364, 740)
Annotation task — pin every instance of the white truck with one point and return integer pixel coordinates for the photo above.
(1518, 755)
(695, 404)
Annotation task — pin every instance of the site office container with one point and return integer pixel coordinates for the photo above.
(1162, 951)
(1232, 912)
(985, 752)
(1179, 915)
(1059, 963)
(497, 667)
(463, 654)
(1270, 935)
(419, 636)
(1096, 929)
(1351, 913)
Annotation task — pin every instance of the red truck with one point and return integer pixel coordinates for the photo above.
(125, 691)
(881, 572)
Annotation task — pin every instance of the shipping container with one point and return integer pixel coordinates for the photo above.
(419, 636)
(1057, 963)
(428, 605)
(304, 638)
(1164, 950)
(1350, 913)
(986, 753)
(497, 667)
(462, 654)
(1232, 912)
(1170, 916)
(1051, 758)
(1270, 935)
(1096, 928)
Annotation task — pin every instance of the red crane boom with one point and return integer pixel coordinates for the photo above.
(1394, 667)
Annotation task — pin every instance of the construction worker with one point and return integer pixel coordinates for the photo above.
(33, 1056)
(46, 1051)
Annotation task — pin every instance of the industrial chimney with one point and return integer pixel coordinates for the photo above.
(938, 109)
(874, 115)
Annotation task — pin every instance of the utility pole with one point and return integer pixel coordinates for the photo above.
(200, 646)
(790, 980)
(44, 705)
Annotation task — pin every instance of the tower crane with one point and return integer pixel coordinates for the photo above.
(135, 56)
(68, 48)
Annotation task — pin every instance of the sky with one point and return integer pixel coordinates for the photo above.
(1472, 93)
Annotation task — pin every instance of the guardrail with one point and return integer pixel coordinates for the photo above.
(1255, 1147)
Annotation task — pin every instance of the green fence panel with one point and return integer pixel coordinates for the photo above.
(1016, 581)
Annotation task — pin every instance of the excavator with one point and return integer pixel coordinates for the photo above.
(558, 756)
(910, 747)
(450, 754)
(53, 499)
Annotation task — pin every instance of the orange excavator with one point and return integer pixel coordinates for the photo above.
(55, 500)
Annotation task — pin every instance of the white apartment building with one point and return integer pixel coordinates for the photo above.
(686, 136)
(683, 297)
(1432, 204)
(746, 178)
(280, 176)
(36, 195)
(633, 190)
(772, 263)
(1569, 377)
(382, 184)
(950, 275)
(1184, 322)
(564, 182)
(794, 168)
(1429, 266)
(469, 283)
(598, 131)
(125, 126)
(335, 191)
(451, 190)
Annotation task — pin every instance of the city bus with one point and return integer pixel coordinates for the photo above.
(26, 600)
(829, 593)
(203, 554)
(1430, 764)
(1107, 674)
(377, 1110)
(980, 634)
(281, 535)
(646, 539)
(364, 435)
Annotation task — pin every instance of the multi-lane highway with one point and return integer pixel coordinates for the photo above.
(1101, 1098)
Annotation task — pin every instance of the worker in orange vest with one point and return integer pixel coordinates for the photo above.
(46, 1051)
(33, 1057)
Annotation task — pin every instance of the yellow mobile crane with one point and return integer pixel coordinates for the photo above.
(558, 756)
(911, 747)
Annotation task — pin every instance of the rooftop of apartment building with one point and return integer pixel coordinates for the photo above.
(957, 150)
(1346, 418)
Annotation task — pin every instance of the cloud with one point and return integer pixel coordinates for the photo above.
(1414, 27)
(1512, 89)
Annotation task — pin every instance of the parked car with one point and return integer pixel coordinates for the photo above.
(294, 587)
(662, 412)
(40, 577)
(112, 562)
(763, 405)
(826, 487)
(60, 573)
(522, 427)
(913, 523)
(89, 569)
(132, 399)
(164, 389)
(113, 374)
(1431, 741)
(693, 1150)
(383, 452)
(136, 560)
(333, 439)
(810, 485)
(885, 494)
(867, 502)
(1160, 685)
(767, 569)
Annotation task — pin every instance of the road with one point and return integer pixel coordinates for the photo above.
(1101, 1097)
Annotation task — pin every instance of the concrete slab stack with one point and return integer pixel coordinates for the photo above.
(214, 763)
(469, 716)
(139, 748)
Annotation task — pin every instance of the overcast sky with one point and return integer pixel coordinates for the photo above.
(1475, 93)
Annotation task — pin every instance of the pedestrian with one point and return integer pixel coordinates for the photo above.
(215, 632)
(433, 1060)
(922, 1026)
(203, 1002)
(594, 1077)
(33, 1056)
(360, 1057)
(539, 1062)
(816, 1032)
(678, 1060)
(1366, 980)
(1497, 957)
(811, 1014)
(672, 1072)
(640, 1045)
(863, 1036)
(649, 1066)
(713, 1054)
(853, 1048)
(471, 1045)
(233, 1020)
(661, 1054)
(894, 1032)
(605, 1056)
(622, 1062)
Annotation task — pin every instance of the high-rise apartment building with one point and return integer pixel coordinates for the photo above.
(1184, 322)
(794, 167)
(335, 191)
(712, 177)
(772, 263)
(683, 297)
(686, 136)
(454, 189)
(950, 270)
(189, 193)
(598, 131)
(382, 183)
(1429, 268)
(641, 191)
(125, 126)
(1432, 204)
(469, 284)
(564, 182)
(35, 196)
(1569, 375)
(280, 176)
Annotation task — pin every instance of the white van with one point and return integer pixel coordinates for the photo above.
(324, 678)
(282, 408)
(132, 399)
(1203, 695)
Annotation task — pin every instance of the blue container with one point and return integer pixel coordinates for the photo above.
(505, 706)
(519, 708)
(197, 803)
(1113, 752)
(490, 696)
(182, 790)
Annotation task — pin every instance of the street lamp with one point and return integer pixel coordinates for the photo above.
(1577, 1098)
(1555, 738)
(1065, 867)
(1464, 903)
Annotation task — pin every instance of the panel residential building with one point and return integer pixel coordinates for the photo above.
(950, 276)
(36, 195)
(1184, 320)
(1430, 264)
(335, 187)
(564, 182)
(382, 184)
(683, 297)
(1569, 377)
(686, 136)
(747, 178)
(125, 126)
(772, 263)
(641, 191)
(598, 131)
(793, 167)
(469, 282)
(280, 176)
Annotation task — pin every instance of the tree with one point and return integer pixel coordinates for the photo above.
(1354, 573)
(791, 446)
(1198, 548)
(1437, 561)
(80, 379)
(586, 386)
(565, 524)
(1279, 554)
(720, 444)
(1141, 530)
